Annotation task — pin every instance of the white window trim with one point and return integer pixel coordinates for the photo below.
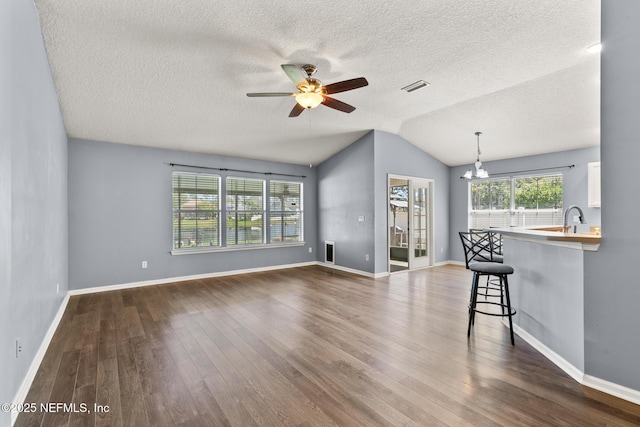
(204, 249)
(300, 211)
(222, 245)
(218, 211)
(225, 243)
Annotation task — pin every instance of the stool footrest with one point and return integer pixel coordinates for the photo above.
(513, 310)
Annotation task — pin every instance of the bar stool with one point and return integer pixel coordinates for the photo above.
(488, 242)
(491, 243)
(478, 259)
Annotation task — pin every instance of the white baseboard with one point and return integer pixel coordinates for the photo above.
(604, 386)
(354, 271)
(449, 262)
(613, 389)
(385, 274)
(21, 394)
(185, 278)
(558, 360)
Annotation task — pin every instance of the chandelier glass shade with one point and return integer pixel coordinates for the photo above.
(479, 171)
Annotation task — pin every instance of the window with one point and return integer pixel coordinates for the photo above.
(490, 203)
(537, 200)
(285, 211)
(522, 201)
(210, 211)
(245, 211)
(196, 210)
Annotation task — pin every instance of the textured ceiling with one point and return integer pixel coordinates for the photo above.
(174, 74)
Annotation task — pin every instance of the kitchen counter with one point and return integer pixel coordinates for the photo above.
(553, 235)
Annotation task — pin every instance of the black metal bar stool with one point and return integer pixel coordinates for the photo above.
(478, 258)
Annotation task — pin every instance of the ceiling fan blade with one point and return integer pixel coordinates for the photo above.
(253, 95)
(297, 110)
(295, 74)
(346, 85)
(337, 105)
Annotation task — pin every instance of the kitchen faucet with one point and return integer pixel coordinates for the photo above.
(565, 223)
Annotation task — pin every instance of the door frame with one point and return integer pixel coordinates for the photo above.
(430, 218)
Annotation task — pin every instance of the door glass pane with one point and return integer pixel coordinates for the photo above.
(420, 222)
(398, 224)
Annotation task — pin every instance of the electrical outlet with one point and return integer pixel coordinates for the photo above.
(576, 218)
(18, 347)
(57, 288)
(366, 257)
(144, 264)
(441, 250)
(310, 249)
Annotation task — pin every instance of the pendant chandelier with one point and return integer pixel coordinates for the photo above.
(479, 171)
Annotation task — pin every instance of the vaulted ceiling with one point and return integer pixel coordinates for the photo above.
(174, 74)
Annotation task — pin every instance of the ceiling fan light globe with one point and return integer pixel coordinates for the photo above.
(309, 99)
(468, 174)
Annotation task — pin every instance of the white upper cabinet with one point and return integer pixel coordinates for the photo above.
(593, 198)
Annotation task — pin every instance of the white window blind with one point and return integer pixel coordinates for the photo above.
(245, 211)
(196, 210)
(285, 211)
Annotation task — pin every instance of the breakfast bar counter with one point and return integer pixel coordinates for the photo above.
(547, 290)
(553, 236)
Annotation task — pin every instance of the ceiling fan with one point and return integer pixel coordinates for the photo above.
(311, 93)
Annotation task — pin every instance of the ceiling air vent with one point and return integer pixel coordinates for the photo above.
(415, 86)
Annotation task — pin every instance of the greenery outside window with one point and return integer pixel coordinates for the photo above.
(285, 212)
(521, 201)
(245, 211)
(196, 210)
(537, 200)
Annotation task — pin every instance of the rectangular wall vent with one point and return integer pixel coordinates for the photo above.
(329, 252)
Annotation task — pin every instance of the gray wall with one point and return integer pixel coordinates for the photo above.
(547, 291)
(395, 155)
(612, 289)
(353, 183)
(345, 192)
(33, 195)
(120, 215)
(574, 183)
(7, 388)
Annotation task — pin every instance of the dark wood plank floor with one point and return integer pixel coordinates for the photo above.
(302, 347)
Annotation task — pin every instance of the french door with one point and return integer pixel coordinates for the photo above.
(410, 223)
(421, 223)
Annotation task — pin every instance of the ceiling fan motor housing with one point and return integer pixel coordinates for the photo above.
(309, 69)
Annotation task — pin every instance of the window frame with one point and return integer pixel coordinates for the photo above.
(244, 212)
(180, 211)
(299, 211)
(515, 216)
(223, 238)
